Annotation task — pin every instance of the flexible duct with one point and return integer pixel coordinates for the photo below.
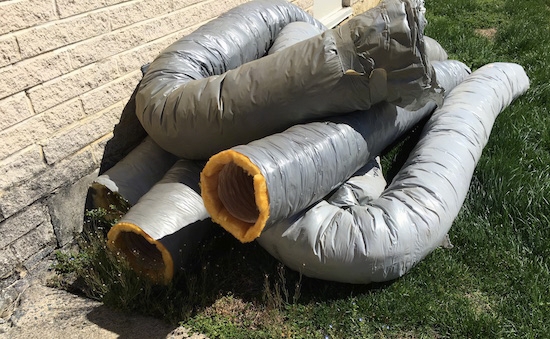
(434, 51)
(161, 255)
(195, 99)
(155, 235)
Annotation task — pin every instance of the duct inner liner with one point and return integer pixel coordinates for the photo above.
(236, 192)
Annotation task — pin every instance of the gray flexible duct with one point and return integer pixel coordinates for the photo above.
(162, 230)
(154, 242)
(195, 99)
(385, 238)
(164, 227)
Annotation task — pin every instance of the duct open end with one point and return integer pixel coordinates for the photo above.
(109, 200)
(144, 254)
(235, 194)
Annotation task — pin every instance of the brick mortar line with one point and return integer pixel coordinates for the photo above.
(97, 141)
(56, 8)
(122, 4)
(121, 78)
(29, 104)
(95, 9)
(35, 114)
(18, 47)
(21, 151)
(133, 49)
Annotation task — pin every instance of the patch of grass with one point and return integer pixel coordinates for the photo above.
(492, 284)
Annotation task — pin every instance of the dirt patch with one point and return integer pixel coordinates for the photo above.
(480, 302)
(488, 33)
(50, 313)
(241, 313)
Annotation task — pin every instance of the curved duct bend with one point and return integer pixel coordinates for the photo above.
(195, 99)
(381, 240)
(250, 187)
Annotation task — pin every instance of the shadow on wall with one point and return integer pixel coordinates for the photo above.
(127, 134)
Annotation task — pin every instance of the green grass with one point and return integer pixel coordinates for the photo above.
(494, 283)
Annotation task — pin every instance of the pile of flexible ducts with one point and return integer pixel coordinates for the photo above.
(270, 125)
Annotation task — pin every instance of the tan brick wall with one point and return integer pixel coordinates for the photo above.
(67, 68)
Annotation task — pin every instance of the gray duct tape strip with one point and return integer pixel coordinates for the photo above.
(385, 238)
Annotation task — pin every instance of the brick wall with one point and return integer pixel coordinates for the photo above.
(67, 68)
